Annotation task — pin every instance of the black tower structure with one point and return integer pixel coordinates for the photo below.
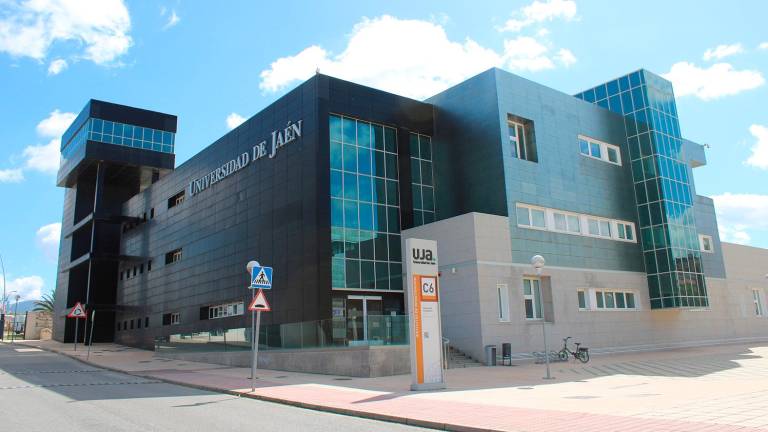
(109, 154)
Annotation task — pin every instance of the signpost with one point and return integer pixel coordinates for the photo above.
(90, 334)
(78, 313)
(424, 308)
(261, 279)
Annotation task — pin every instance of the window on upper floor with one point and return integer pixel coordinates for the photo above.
(595, 149)
(176, 199)
(173, 256)
(531, 217)
(561, 221)
(522, 141)
(705, 243)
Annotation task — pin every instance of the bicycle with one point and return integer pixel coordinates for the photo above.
(581, 354)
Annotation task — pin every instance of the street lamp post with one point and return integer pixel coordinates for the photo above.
(2, 313)
(538, 261)
(15, 314)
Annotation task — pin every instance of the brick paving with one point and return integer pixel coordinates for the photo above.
(719, 388)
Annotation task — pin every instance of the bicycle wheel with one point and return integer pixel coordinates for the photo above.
(583, 356)
(562, 355)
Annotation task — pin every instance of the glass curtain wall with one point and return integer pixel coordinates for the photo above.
(662, 187)
(365, 206)
(422, 185)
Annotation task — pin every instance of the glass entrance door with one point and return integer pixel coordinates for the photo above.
(364, 323)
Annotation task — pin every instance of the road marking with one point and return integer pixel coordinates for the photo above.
(27, 349)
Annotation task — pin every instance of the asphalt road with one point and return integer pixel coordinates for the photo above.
(42, 391)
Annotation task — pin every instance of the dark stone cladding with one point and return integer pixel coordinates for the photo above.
(276, 211)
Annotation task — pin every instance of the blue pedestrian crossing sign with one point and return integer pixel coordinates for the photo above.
(261, 277)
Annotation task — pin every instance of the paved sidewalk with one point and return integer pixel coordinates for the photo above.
(720, 388)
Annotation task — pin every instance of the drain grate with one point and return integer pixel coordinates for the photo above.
(49, 372)
(79, 384)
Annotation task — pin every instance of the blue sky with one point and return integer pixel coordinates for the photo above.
(213, 66)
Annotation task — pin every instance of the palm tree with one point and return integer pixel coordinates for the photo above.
(45, 304)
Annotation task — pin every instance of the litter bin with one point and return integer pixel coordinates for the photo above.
(490, 355)
(506, 354)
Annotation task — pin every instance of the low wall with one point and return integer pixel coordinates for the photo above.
(35, 322)
(366, 362)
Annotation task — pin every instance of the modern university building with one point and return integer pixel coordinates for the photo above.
(327, 182)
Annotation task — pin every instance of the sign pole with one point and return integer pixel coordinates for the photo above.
(261, 278)
(255, 363)
(90, 336)
(77, 326)
(253, 342)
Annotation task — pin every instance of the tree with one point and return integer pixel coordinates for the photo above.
(45, 304)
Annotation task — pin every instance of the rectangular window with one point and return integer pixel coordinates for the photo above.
(595, 149)
(226, 310)
(502, 291)
(521, 138)
(532, 298)
(173, 256)
(529, 216)
(176, 199)
(146, 322)
(758, 302)
(706, 244)
(582, 299)
(149, 265)
(615, 300)
(175, 318)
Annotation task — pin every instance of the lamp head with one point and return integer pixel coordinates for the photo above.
(538, 261)
(251, 265)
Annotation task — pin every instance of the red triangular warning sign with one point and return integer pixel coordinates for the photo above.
(78, 311)
(259, 303)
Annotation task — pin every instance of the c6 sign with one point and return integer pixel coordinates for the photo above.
(427, 288)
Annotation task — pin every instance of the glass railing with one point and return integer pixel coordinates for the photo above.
(329, 333)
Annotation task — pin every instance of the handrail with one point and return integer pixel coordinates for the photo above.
(446, 341)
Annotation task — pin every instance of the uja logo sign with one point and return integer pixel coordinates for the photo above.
(422, 256)
(279, 139)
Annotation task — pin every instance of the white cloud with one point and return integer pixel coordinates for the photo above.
(48, 237)
(45, 157)
(763, 46)
(740, 214)
(565, 57)
(723, 51)
(234, 120)
(11, 175)
(541, 11)
(57, 66)
(759, 156)
(27, 287)
(100, 27)
(414, 58)
(714, 82)
(173, 19)
(55, 124)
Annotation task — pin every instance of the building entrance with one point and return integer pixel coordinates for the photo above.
(364, 319)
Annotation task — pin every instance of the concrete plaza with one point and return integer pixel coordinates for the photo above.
(716, 388)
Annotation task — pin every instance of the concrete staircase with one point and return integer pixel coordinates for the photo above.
(458, 359)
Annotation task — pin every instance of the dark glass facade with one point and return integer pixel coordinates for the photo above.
(662, 186)
(365, 205)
